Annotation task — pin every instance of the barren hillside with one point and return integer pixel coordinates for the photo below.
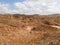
(29, 29)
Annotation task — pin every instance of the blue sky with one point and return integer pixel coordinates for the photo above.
(30, 6)
(10, 1)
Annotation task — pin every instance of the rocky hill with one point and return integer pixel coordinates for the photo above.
(19, 29)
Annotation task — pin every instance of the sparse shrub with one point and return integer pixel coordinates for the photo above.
(34, 28)
(47, 22)
(51, 43)
(16, 16)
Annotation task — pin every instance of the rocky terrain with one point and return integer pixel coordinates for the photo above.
(20, 29)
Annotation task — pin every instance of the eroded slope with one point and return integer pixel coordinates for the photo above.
(29, 30)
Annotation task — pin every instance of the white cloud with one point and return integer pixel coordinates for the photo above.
(4, 8)
(38, 6)
(32, 7)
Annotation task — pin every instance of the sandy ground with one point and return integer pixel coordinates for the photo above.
(29, 30)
